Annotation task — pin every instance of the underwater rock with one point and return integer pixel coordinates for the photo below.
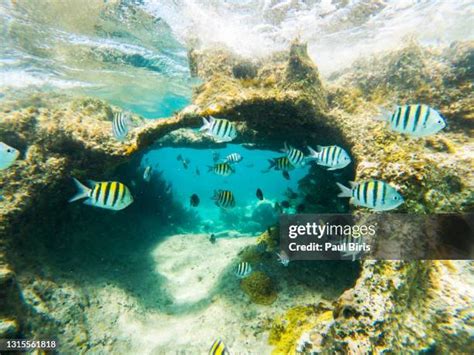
(283, 100)
(287, 330)
(259, 287)
(396, 305)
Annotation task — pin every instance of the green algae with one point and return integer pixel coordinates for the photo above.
(260, 288)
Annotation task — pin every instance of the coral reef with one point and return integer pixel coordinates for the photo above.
(259, 287)
(395, 305)
(287, 329)
(271, 101)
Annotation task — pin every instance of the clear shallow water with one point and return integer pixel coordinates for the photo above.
(250, 174)
(92, 48)
(133, 53)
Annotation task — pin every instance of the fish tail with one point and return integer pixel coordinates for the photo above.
(82, 191)
(345, 191)
(210, 168)
(206, 125)
(271, 165)
(313, 153)
(384, 115)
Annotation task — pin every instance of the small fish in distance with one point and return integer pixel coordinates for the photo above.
(147, 173)
(283, 258)
(259, 194)
(242, 270)
(194, 200)
(223, 169)
(121, 125)
(295, 156)
(224, 198)
(233, 158)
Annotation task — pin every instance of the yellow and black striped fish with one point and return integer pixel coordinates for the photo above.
(224, 169)
(220, 129)
(224, 198)
(333, 156)
(218, 348)
(416, 120)
(111, 195)
(281, 163)
(374, 194)
(295, 156)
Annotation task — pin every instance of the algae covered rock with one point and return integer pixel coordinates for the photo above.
(259, 287)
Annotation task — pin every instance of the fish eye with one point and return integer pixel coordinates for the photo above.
(395, 198)
(9, 150)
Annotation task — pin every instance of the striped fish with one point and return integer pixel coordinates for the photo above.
(347, 241)
(415, 120)
(221, 130)
(373, 194)
(121, 125)
(280, 163)
(111, 195)
(242, 270)
(295, 156)
(332, 156)
(223, 169)
(233, 158)
(224, 198)
(218, 348)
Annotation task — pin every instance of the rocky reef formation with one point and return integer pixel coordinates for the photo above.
(272, 101)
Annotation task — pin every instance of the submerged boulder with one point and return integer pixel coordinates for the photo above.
(259, 287)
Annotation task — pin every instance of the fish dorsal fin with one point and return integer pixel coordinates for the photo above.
(353, 184)
(91, 183)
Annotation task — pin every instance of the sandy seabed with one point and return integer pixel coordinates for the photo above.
(200, 300)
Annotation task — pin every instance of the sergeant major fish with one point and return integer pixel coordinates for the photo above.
(280, 163)
(233, 158)
(373, 194)
(283, 258)
(415, 120)
(295, 156)
(333, 156)
(111, 195)
(243, 270)
(218, 348)
(147, 173)
(221, 130)
(224, 198)
(8, 155)
(121, 125)
(223, 169)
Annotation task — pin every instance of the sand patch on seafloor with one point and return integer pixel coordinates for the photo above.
(200, 300)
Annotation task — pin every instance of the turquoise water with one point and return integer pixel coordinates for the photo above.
(249, 176)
